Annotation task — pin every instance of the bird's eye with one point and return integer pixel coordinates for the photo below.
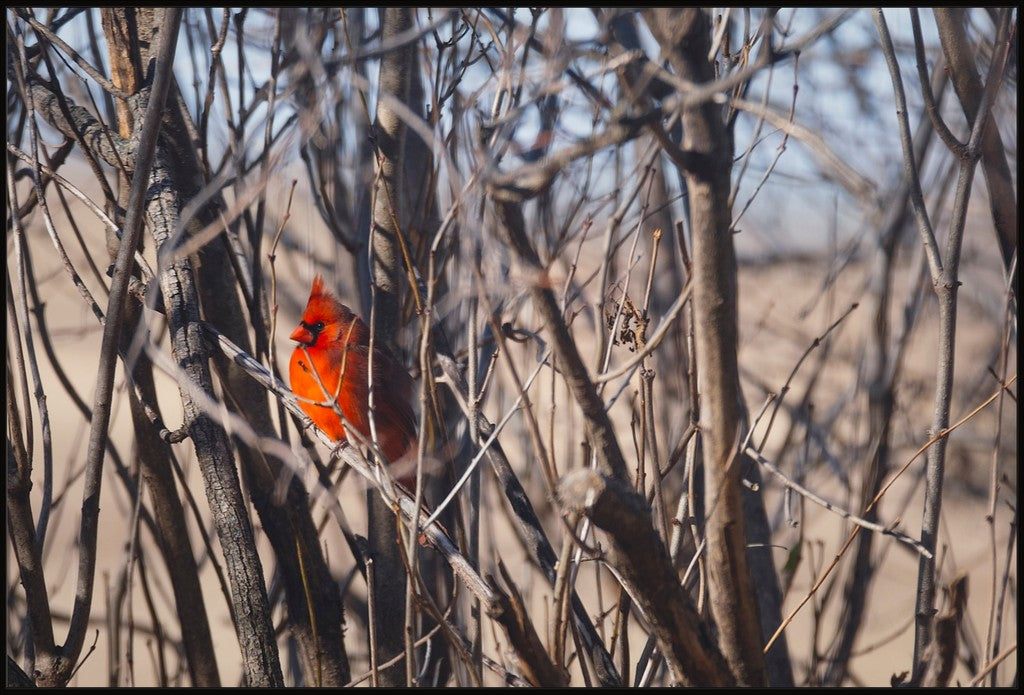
(318, 326)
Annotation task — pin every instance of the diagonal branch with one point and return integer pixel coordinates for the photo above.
(821, 501)
(646, 569)
(530, 528)
(393, 497)
(512, 227)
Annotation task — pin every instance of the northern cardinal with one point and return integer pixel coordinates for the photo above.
(338, 344)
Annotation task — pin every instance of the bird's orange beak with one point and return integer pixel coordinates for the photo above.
(302, 335)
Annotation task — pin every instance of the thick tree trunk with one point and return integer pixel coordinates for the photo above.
(386, 271)
(684, 36)
(124, 39)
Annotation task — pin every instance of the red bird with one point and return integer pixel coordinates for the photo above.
(338, 344)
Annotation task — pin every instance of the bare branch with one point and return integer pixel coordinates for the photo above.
(820, 501)
(643, 564)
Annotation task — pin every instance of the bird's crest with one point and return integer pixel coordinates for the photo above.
(320, 292)
(318, 286)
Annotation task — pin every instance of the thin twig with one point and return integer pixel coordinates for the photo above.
(924, 224)
(931, 108)
(871, 505)
(821, 501)
(992, 664)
